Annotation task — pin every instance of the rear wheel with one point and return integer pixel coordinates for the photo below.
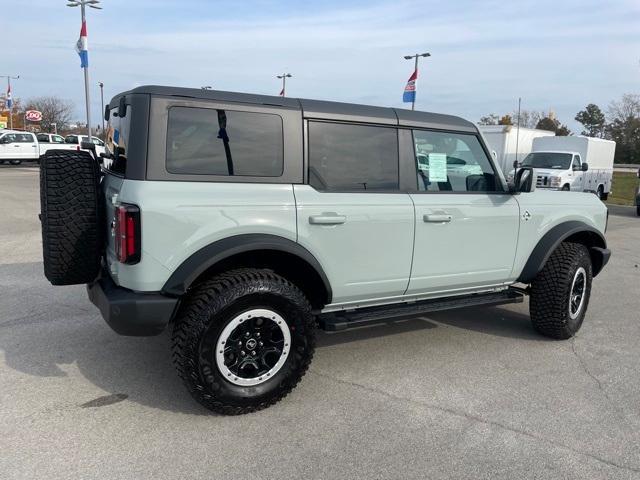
(565, 188)
(600, 192)
(243, 340)
(15, 162)
(560, 292)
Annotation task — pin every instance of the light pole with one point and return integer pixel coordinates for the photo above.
(55, 128)
(83, 51)
(102, 104)
(416, 56)
(284, 77)
(9, 97)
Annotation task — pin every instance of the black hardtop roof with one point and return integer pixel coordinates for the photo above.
(319, 109)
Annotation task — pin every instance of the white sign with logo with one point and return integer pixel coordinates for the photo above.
(33, 115)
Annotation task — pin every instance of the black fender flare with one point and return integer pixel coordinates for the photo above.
(205, 258)
(586, 234)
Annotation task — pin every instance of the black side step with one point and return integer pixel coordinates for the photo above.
(343, 320)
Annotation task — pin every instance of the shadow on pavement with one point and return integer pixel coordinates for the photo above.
(58, 327)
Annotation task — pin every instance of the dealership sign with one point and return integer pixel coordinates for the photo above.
(33, 115)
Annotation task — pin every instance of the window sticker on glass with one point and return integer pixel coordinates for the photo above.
(437, 167)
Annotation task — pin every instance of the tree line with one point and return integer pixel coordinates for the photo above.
(620, 124)
(55, 110)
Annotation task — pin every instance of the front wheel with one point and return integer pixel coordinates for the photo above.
(243, 340)
(560, 292)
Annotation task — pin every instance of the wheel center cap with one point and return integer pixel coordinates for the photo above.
(251, 344)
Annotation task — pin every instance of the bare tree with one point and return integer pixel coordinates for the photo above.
(491, 119)
(528, 118)
(627, 107)
(54, 110)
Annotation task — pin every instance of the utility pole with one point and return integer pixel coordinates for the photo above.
(284, 77)
(102, 104)
(10, 97)
(83, 51)
(416, 56)
(518, 133)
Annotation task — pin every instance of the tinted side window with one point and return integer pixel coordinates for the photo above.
(452, 162)
(43, 138)
(72, 139)
(25, 138)
(223, 142)
(352, 157)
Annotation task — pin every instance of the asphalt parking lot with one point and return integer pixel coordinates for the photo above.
(472, 393)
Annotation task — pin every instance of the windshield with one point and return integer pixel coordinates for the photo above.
(559, 161)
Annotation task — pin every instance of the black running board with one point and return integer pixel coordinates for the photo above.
(344, 320)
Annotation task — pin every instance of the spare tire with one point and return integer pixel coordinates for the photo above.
(71, 216)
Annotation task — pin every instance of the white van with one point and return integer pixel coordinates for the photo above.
(581, 164)
(508, 143)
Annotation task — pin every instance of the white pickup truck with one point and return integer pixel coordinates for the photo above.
(18, 146)
(581, 164)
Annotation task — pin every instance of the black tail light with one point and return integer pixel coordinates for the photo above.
(127, 233)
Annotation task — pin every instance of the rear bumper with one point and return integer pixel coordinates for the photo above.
(131, 313)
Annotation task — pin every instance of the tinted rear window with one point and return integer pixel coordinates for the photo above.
(206, 141)
(352, 157)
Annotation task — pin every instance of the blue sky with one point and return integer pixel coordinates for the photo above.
(557, 55)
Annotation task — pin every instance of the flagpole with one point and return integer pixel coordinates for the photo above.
(416, 56)
(413, 102)
(284, 77)
(86, 83)
(9, 78)
(92, 4)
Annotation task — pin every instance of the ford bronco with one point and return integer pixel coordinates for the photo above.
(244, 222)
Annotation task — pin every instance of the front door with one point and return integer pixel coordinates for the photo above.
(352, 216)
(578, 175)
(466, 225)
(10, 148)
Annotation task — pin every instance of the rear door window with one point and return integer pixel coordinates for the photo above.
(345, 157)
(205, 141)
(43, 138)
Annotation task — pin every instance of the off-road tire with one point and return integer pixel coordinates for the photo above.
(551, 292)
(202, 318)
(72, 217)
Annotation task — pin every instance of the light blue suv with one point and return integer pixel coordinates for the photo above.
(243, 222)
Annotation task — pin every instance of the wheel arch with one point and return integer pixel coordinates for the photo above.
(573, 231)
(280, 254)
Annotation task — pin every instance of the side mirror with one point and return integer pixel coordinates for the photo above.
(585, 166)
(524, 181)
(88, 146)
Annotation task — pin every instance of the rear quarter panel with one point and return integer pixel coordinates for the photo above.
(548, 209)
(180, 218)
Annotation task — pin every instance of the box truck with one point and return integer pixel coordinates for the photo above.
(508, 144)
(582, 164)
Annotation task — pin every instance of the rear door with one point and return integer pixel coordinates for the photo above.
(27, 146)
(352, 215)
(466, 224)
